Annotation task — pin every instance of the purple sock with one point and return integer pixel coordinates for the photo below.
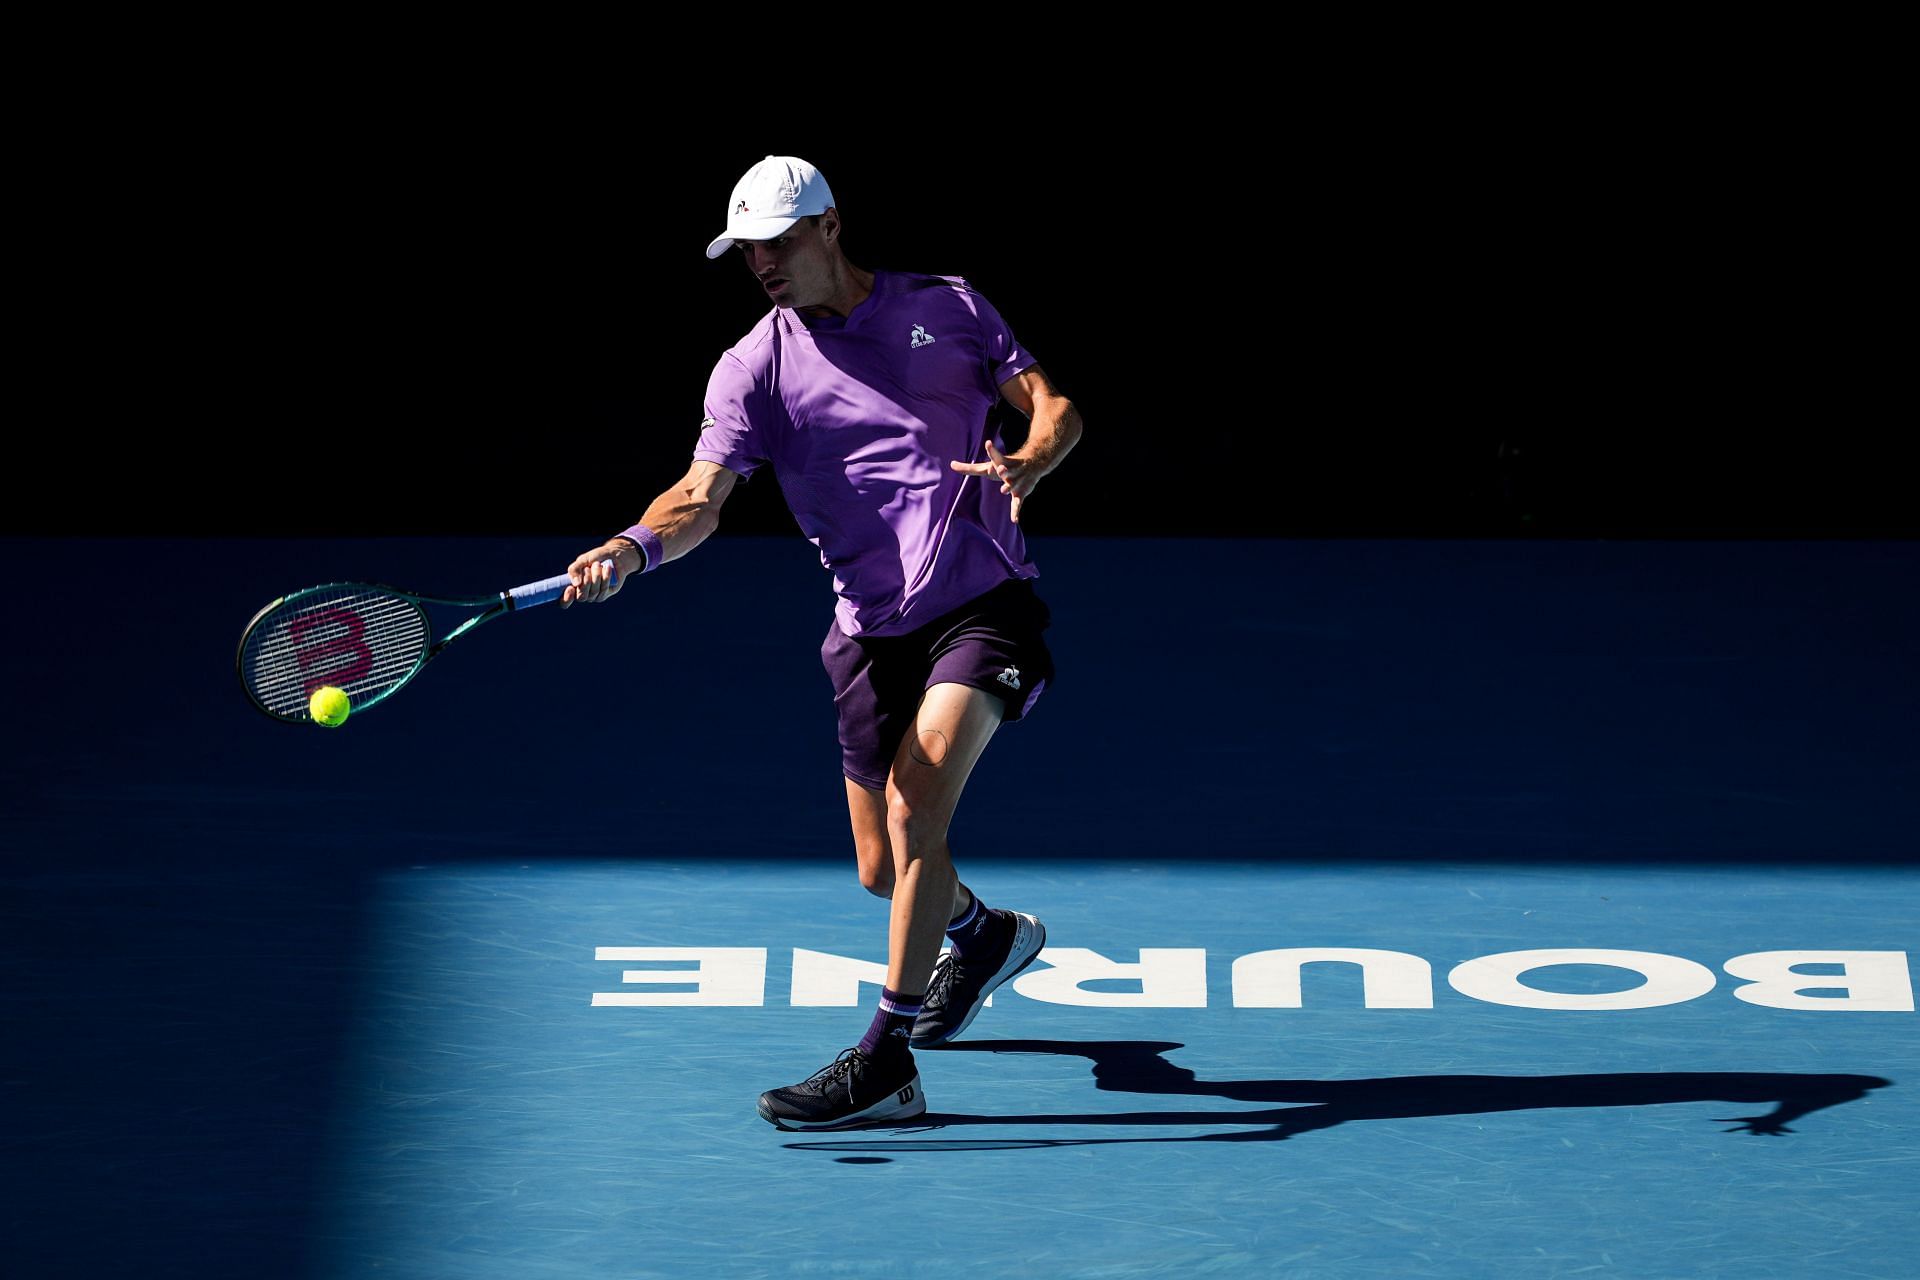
(974, 929)
(893, 1019)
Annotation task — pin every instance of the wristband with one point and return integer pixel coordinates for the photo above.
(651, 552)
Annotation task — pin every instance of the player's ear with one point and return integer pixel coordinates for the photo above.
(830, 223)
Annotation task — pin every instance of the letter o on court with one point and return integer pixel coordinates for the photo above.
(1496, 979)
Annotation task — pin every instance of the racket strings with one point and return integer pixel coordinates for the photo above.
(360, 641)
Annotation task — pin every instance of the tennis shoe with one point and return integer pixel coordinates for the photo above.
(959, 989)
(855, 1088)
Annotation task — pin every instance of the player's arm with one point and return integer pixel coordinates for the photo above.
(1054, 428)
(1055, 422)
(681, 518)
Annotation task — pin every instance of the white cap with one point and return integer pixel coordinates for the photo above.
(774, 194)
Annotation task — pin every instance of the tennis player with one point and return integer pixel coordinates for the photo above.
(868, 395)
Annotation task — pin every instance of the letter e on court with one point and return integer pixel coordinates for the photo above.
(729, 976)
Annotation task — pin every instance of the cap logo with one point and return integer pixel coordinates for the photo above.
(769, 198)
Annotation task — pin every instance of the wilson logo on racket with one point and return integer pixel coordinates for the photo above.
(317, 637)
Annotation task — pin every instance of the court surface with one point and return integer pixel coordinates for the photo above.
(486, 984)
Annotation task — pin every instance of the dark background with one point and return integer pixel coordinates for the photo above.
(1402, 299)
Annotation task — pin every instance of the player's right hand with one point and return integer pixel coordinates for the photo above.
(1016, 473)
(593, 580)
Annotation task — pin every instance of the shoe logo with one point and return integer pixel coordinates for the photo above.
(921, 338)
(1010, 677)
(899, 1031)
(906, 1094)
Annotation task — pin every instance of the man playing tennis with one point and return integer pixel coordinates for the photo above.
(868, 393)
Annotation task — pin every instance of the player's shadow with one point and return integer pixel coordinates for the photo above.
(1139, 1066)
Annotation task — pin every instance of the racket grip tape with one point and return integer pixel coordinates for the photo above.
(547, 590)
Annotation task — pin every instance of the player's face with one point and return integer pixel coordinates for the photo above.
(794, 270)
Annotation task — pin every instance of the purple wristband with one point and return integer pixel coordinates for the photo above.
(649, 543)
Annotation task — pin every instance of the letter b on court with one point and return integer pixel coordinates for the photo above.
(1867, 981)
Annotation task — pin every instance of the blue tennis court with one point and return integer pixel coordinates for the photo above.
(1441, 908)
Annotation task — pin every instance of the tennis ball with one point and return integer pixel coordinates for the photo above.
(329, 706)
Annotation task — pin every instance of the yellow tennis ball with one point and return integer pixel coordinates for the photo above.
(329, 706)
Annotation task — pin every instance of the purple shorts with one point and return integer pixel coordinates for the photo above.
(992, 642)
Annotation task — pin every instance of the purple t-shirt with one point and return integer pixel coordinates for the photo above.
(859, 419)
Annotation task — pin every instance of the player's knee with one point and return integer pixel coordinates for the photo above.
(876, 877)
(903, 820)
(913, 831)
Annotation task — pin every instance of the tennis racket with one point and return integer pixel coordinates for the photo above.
(364, 639)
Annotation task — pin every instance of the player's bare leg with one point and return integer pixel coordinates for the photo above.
(867, 809)
(930, 771)
(900, 840)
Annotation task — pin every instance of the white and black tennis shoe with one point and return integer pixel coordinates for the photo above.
(959, 989)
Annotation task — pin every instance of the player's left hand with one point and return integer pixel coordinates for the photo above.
(1017, 475)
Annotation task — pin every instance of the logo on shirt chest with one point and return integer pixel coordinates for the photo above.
(921, 338)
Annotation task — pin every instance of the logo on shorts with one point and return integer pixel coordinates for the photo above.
(921, 338)
(1010, 677)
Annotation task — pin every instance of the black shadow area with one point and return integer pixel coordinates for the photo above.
(1140, 1066)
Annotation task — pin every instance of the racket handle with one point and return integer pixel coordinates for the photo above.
(547, 590)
